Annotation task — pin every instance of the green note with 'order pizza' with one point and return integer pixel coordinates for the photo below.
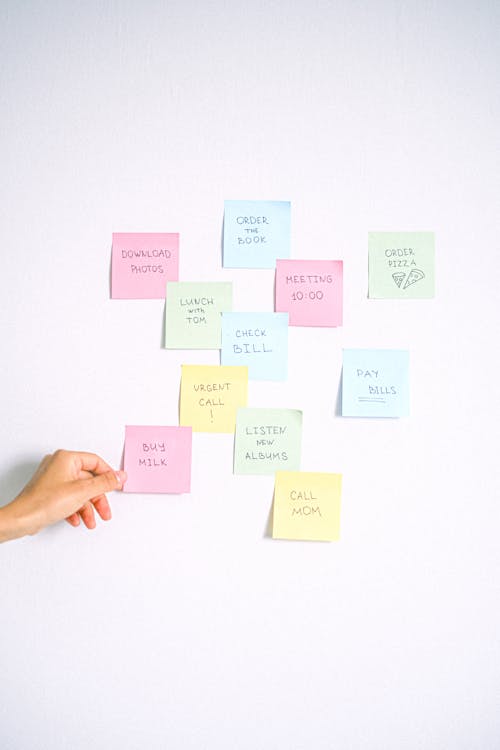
(401, 265)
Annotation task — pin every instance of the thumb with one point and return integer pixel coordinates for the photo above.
(87, 489)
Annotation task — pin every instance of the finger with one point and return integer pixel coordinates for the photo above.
(87, 514)
(102, 507)
(73, 519)
(84, 490)
(82, 474)
(91, 462)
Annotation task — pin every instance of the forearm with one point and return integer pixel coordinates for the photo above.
(15, 522)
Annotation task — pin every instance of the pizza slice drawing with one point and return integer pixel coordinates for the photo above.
(414, 276)
(398, 277)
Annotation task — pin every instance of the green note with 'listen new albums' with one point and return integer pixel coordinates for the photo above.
(267, 440)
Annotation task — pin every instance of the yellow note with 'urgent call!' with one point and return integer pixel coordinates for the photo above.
(211, 396)
(307, 506)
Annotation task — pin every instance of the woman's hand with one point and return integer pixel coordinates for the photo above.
(67, 485)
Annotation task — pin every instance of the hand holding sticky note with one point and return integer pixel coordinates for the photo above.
(211, 396)
(307, 506)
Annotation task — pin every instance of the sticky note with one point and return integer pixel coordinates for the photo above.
(310, 291)
(375, 383)
(401, 265)
(142, 263)
(307, 506)
(257, 340)
(157, 459)
(256, 233)
(267, 440)
(193, 313)
(211, 395)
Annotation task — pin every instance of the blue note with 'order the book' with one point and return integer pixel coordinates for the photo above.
(256, 233)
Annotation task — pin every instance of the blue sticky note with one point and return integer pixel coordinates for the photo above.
(256, 233)
(258, 340)
(375, 383)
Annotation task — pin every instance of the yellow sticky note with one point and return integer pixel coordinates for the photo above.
(307, 506)
(211, 396)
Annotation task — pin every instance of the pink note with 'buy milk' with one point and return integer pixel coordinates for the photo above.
(157, 459)
(310, 291)
(142, 263)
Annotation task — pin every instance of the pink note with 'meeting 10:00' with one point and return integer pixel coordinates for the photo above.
(310, 291)
(142, 263)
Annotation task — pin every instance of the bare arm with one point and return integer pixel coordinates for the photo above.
(67, 485)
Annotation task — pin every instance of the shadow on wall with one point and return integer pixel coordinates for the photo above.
(338, 403)
(13, 480)
(268, 531)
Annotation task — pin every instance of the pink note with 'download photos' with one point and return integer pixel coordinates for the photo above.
(310, 291)
(142, 263)
(157, 459)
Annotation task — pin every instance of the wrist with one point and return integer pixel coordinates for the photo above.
(17, 520)
(10, 527)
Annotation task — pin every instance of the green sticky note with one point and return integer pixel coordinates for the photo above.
(267, 440)
(401, 265)
(193, 313)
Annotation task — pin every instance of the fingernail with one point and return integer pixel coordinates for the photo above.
(121, 477)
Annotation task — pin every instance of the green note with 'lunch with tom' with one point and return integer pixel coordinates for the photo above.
(193, 313)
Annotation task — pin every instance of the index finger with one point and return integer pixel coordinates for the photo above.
(91, 462)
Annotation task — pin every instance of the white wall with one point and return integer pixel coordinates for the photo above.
(181, 625)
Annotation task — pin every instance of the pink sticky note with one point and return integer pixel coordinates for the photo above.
(142, 263)
(158, 459)
(310, 291)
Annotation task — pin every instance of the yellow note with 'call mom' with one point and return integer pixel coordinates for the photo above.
(307, 506)
(211, 395)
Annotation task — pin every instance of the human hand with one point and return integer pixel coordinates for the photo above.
(67, 485)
